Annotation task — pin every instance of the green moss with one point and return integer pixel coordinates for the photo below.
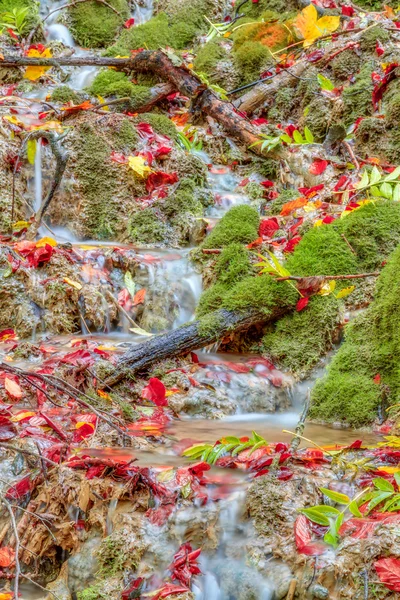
(233, 264)
(345, 64)
(125, 136)
(298, 340)
(369, 37)
(160, 123)
(208, 57)
(256, 9)
(251, 58)
(146, 227)
(284, 102)
(209, 323)
(183, 200)
(98, 181)
(261, 292)
(162, 30)
(377, 5)
(275, 206)
(357, 98)
(370, 137)
(64, 94)
(322, 251)
(95, 25)
(240, 224)
(114, 83)
(92, 593)
(371, 346)
(373, 232)
(319, 117)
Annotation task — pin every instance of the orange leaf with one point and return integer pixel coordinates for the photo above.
(6, 595)
(77, 107)
(33, 73)
(292, 205)
(139, 297)
(7, 556)
(13, 388)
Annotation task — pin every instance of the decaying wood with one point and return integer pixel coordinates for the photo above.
(183, 340)
(203, 98)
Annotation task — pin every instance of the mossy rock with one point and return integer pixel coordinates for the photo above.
(285, 102)
(251, 59)
(371, 138)
(95, 25)
(357, 98)
(147, 227)
(318, 117)
(256, 9)
(275, 206)
(345, 64)
(117, 84)
(207, 58)
(348, 392)
(160, 123)
(240, 224)
(64, 94)
(162, 30)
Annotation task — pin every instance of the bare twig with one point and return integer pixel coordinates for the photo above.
(17, 544)
(28, 453)
(352, 155)
(329, 277)
(211, 251)
(292, 590)
(294, 444)
(348, 243)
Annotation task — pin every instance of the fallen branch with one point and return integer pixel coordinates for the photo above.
(61, 157)
(305, 280)
(17, 564)
(180, 77)
(185, 339)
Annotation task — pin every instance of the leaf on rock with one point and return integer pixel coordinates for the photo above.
(7, 556)
(139, 166)
(33, 73)
(345, 292)
(289, 207)
(302, 303)
(155, 391)
(310, 28)
(139, 297)
(318, 166)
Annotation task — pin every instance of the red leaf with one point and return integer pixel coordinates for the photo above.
(7, 334)
(155, 392)
(12, 34)
(129, 23)
(139, 297)
(348, 11)
(291, 245)
(260, 121)
(379, 48)
(254, 244)
(160, 178)
(79, 358)
(7, 556)
(20, 489)
(388, 570)
(318, 167)
(268, 227)
(118, 157)
(267, 183)
(377, 378)
(301, 304)
(312, 190)
(380, 88)
(13, 388)
(170, 589)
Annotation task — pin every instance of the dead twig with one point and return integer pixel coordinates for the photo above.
(17, 545)
(292, 590)
(28, 453)
(352, 155)
(294, 444)
(348, 243)
(329, 277)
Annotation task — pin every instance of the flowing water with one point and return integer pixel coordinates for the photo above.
(263, 399)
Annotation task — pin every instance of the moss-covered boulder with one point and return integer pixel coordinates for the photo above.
(352, 391)
(240, 224)
(95, 25)
(64, 94)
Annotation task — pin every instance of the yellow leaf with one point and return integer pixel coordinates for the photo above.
(33, 73)
(102, 101)
(310, 28)
(22, 415)
(107, 348)
(166, 475)
(12, 119)
(82, 424)
(46, 240)
(73, 283)
(327, 288)
(345, 292)
(318, 223)
(49, 126)
(139, 166)
(19, 225)
(391, 470)
(31, 151)
(103, 395)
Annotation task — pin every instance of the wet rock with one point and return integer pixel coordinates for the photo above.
(202, 402)
(83, 564)
(59, 587)
(319, 591)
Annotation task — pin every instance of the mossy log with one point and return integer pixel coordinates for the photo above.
(184, 80)
(190, 337)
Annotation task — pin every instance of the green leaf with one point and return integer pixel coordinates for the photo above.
(397, 479)
(393, 175)
(285, 138)
(335, 496)
(375, 176)
(386, 190)
(280, 270)
(242, 447)
(31, 151)
(377, 499)
(364, 181)
(325, 83)
(383, 484)
(308, 135)
(298, 138)
(320, 514)
(375, 191)
(129, 284)
(396, 193)
(332, 535)
(392, 504)
(186, 490)
(195, 450)
(353, 508)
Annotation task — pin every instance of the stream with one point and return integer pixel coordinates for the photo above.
(265, 399)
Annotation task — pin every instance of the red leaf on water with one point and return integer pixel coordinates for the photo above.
(318, 166)
(7, 556)
(12, 388)
(302, 303)
(129, 23)
(388, 570)
(155, 392)
(139, 297)
(79, 358)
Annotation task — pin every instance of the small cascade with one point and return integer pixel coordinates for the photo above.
(143, 11)
(59, 33)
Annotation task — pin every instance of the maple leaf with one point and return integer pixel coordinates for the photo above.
(33, 73)
(139, 166)
(310, 28)
(388, 570)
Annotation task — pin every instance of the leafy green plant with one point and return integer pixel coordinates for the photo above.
(228, 445)
(381, 186)
(16, 19)
(298, 138)
(385, 492)
(190, 142)
(325, 83)
(268, 142)
(217, 29)
(215, 88)
(272, 266)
